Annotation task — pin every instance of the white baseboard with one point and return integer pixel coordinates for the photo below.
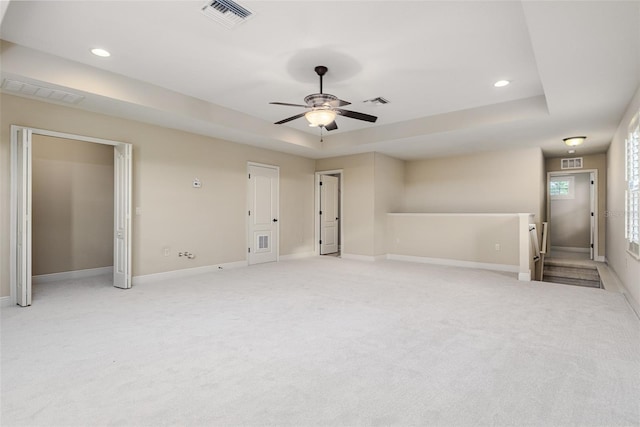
(66, 275)
(619, 286)
(186, 272)
(570, 249)
(5, 302)
(356, 257)
(457, 263)
(296, 256)
(600, 258)
(524, 277)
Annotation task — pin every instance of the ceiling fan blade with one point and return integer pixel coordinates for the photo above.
(289, 105)
(339, 103)
(331, 126)
(356, 115)
(297, 116)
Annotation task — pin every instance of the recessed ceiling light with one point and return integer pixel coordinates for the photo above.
(100, 52)
(501, 83)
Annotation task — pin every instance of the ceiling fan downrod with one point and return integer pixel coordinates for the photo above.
(321, 70)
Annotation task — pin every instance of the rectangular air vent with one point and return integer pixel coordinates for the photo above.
(378, 101)
(573, 163)
(226, 12)
(42, 92)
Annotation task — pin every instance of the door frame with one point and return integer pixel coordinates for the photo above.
(316, 228)
(593, 202)
(248, 237)
(13, 204)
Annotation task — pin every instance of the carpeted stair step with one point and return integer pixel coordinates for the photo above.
(570, 281)
(572, 272)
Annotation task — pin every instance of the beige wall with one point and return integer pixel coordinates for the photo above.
(463, 237)
(209, 222)
(373, 186)
(598, 162)
(358, 198)
(389, 196)
(627, 267)
(72, 205)
(489, 182)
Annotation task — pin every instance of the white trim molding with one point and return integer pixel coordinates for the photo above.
(66, 275)
(5, 302)
(187, 272)
(457, 263)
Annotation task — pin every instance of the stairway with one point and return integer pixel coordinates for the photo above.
(571, 272)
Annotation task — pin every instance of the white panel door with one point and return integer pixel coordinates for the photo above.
(329, 214)
(263, 214)
(592, 207)
(23, 252)
(122, 217)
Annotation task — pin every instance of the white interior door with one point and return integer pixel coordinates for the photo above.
(263, 214)
(329, 214)
(23, 216)
(592, 202)
(122, 217)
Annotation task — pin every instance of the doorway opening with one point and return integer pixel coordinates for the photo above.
(328, 219)
(572, 214)
(22, 213)
(72, 198)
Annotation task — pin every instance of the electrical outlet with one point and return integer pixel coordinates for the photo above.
(166, 251)
(497, 246)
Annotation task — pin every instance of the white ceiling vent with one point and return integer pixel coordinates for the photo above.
(377, 101)
(36, 91)
(226, 12)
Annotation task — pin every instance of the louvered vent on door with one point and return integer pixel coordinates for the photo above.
(263, 242)
(226, 12)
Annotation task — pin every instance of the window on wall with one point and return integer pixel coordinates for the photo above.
(561, 187)
(632, 222)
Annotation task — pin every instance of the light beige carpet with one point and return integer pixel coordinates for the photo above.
(322, 341)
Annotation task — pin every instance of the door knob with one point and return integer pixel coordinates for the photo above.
(275, 220)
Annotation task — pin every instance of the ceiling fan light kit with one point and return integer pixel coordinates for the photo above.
(323, 108)
(320, 117)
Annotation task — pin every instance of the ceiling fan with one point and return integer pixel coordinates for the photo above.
(323, 108)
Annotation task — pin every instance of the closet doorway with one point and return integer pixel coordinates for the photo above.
(23, 215)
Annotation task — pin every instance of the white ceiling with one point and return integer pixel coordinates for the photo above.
(574, 67)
